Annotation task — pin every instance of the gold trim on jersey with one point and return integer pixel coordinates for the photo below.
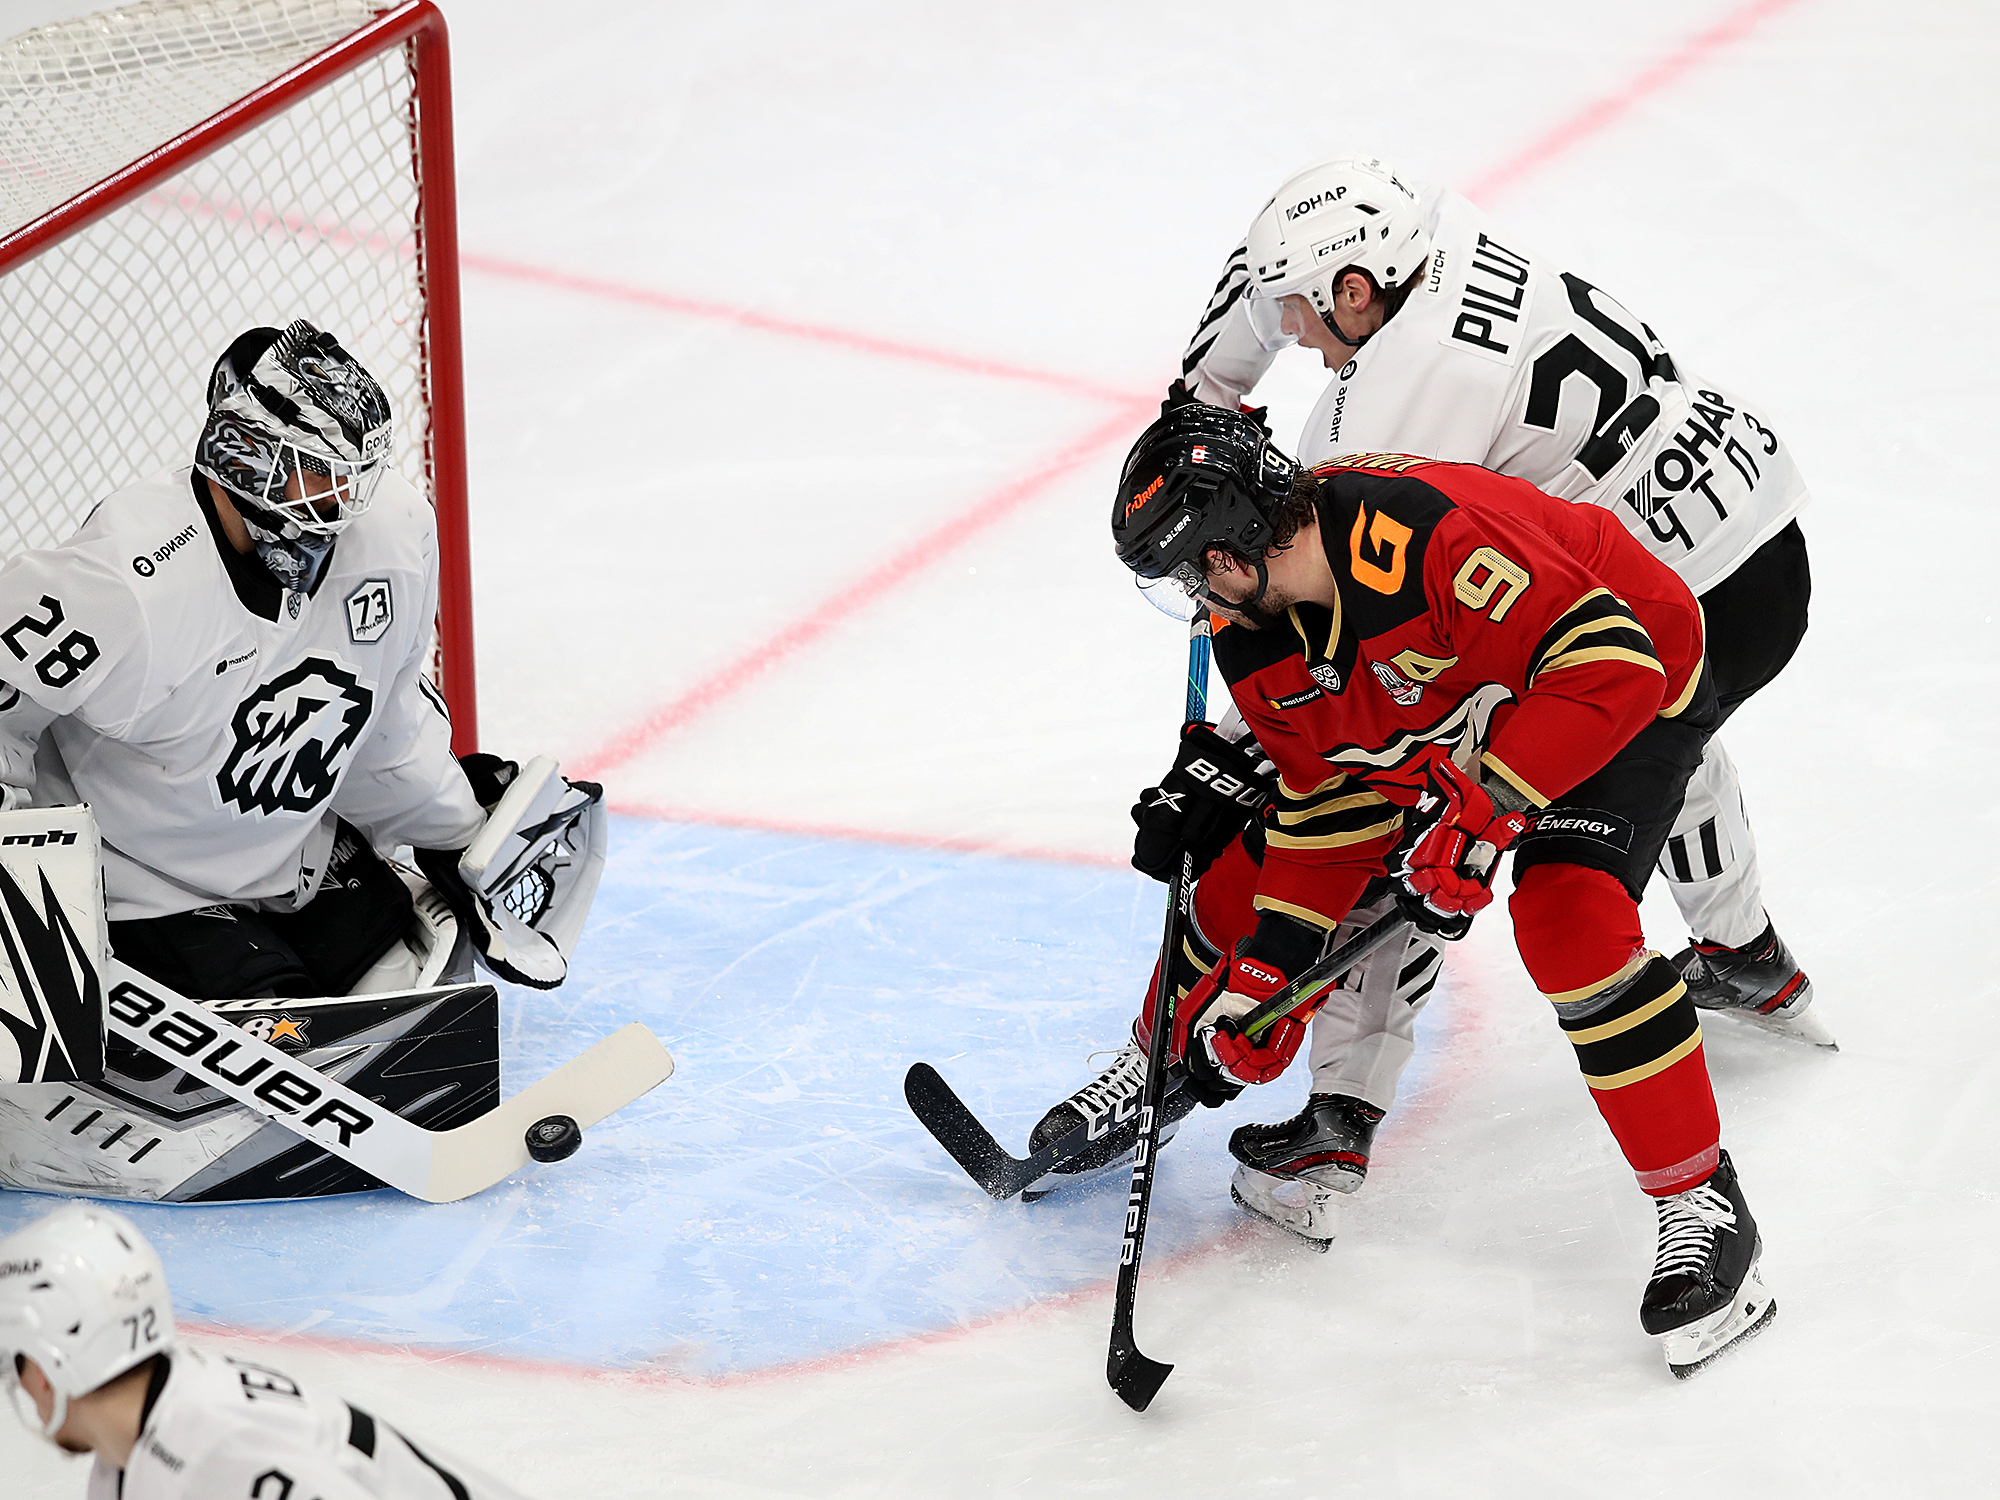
(1278, 840)
(1602, 653)
(1518, 782)
(1679, 706)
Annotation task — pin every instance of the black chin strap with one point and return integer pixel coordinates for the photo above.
(1248, 609)
(1334, 329)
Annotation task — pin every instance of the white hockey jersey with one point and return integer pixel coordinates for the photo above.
(223, 1426)
(1500, 359)
(216, 744)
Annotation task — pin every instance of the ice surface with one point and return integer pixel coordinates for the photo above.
(850, 618)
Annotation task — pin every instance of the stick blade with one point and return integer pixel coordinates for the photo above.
(597, 1082)
(957, 1129)
(1135, 1378)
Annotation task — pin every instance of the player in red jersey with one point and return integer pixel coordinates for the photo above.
(1443, 663)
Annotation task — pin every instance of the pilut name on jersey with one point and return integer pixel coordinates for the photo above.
(214, 744)
(1474, 616)
(1498, 358)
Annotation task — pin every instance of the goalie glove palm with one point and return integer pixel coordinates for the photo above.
(526, 882)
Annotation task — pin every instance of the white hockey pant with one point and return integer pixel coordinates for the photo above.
(1710, 860)
(1365, 1034)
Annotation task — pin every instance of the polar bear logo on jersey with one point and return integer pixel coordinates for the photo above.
(293, 739)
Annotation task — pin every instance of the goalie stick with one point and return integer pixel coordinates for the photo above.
(438, 1166)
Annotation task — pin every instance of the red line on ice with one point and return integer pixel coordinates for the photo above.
(935, 544)
(743, 317)
(942, 842)
(1604, 111)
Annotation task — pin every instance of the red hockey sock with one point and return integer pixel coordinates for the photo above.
(1627, 1013)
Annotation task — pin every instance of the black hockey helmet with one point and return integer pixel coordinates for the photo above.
(1201, 477)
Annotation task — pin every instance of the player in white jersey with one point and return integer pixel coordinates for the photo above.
(1448, 340)
(92, 1362)
(227, 663)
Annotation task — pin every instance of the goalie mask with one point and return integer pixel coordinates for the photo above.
(85, 1297)
(1200, 479)
(299, 434)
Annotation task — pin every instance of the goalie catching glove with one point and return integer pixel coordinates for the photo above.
(523, 887)
(1213, 791)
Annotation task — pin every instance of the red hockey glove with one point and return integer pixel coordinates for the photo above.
(1451, 867)
(1221, 1060)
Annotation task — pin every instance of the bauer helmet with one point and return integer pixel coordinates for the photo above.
(295, 405)
(1351, 213)
(85, 1297)
(1200, 478)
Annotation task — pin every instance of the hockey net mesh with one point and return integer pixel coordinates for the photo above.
(110, 334)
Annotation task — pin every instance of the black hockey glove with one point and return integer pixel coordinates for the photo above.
(1210, 796)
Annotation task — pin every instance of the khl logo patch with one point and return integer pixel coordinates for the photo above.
(293, 737)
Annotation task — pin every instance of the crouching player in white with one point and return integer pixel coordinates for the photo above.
(89, 1354)
(227, 664)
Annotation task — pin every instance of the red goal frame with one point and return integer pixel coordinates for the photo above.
(419, 26)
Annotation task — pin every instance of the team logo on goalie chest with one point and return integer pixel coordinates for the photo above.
(294, 737)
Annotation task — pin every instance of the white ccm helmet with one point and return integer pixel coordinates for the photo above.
(1349, 213)
(85, 1297)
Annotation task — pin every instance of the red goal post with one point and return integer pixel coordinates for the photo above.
(175, 171)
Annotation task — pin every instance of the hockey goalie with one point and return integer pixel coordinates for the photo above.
(214, 710)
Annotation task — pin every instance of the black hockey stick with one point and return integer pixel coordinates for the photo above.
(1136, 1378)
(1004, 1175)
(972, 1145)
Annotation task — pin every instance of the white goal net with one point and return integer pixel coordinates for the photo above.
(109, 333)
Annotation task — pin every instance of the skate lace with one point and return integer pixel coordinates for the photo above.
(1688, 1225)
(1120, 1081)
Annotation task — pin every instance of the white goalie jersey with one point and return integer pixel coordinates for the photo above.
(1502, 360)
(226, 1426)
(216, 723)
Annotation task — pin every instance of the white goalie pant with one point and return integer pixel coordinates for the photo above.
(1710, 860)
(1365, 1034)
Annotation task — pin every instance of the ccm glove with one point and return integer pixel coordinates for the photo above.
(1451, 866)
(1210, 796)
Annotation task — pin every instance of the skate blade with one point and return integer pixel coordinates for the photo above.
(1321, 1246)
(1804, 1026)
(1701, 1343)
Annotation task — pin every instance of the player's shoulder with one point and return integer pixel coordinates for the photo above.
(214, 1401)
(1241, 652)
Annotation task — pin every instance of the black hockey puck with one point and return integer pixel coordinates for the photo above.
(554, 1137)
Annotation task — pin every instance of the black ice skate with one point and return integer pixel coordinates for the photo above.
(1760, 981)
(1706, 1295)
(1292, 1170)
(1109, 1105)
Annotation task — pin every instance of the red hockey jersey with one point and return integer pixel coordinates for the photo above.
(1473, 614)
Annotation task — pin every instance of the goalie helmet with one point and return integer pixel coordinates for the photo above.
(85, 1297)
(293, 421)
(1351, 213)
(1200, 478)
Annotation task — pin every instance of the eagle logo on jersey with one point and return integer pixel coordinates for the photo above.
(293, 738)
